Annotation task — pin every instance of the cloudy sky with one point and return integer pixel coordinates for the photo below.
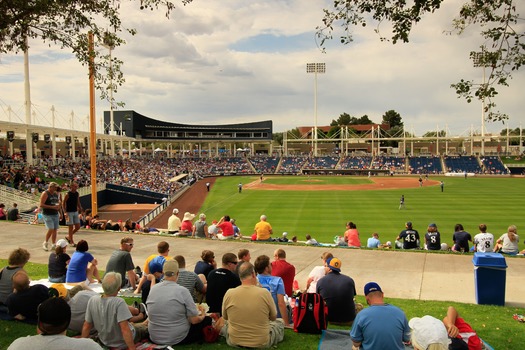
(231, 61)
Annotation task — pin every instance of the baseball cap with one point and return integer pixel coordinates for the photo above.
(171, 267)
(57, 290)
(372, 287)
(62, 243)
(334, 264)
(285, 234)
(55, 312)
(175, 211)
(432, 225)
(428, 330)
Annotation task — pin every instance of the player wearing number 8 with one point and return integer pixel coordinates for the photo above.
(483, 241)
(432, 238)
(410, 238)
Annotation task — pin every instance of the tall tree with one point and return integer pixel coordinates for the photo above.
(364, 120)
(344, 119)
(66, 23)
(498, 22)
(392, 118)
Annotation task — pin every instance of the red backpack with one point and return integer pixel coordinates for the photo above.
(310, 314)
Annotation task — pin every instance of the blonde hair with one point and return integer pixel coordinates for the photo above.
(512, 232)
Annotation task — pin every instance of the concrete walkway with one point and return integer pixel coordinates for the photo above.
(409, 275)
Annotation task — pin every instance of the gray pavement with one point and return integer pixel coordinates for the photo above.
(410, 275)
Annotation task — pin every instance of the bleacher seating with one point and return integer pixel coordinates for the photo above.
(265, 165)
(291, 165)
(388, 163)
(425, 165)
(462, 164)
(354, 162)
(494, 165)
(327, 162)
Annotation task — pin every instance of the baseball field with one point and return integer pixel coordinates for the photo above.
(321, 206)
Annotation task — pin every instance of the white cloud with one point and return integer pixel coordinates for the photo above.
(238, 61)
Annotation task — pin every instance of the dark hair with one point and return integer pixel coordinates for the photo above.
(226, 218)
(458, 228)
(242, 253)
(207, 255)
(228, 257)
(54, 315)
(261, 263)
(82, 246)
(351, 225)
(163, 247)
(180, 259)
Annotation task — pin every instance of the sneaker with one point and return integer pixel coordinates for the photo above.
(45, 246)
(53, 246)
(143, 309)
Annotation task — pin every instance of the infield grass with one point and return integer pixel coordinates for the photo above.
(497, 202)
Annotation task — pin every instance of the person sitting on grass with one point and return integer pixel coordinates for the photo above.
(310, 240)
(163, 249)
(23, 302)
(508, 242)
(16, 262)
(82, 266)
(58, 260)
(428, 333)
(462, 335)
(112, 318)
(54, 315)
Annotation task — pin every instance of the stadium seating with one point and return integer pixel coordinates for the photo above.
(425, 165)
(462, 164)
(493, 165)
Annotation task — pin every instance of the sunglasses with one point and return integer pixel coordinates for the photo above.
(233, 262)
(130, 244)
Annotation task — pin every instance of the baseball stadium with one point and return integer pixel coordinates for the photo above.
(306, 185)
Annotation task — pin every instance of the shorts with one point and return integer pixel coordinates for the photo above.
(73, 218)
(51, 221)
(61, 279)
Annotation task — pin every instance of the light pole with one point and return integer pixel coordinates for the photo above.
(479, 61)
(108, 44)
(316, 68)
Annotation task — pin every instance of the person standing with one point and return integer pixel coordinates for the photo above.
(50, 204)
(338, 292)
(461, 239)
(220, 280)
(442, 185)
(207, 186)
(285, 270)
(72, 208)
(240, 187)
(432, 238)
(420, 181)
(483, 241)
(410, 238)
(381, 325)
(263, 229)
(402, 202)
(249, 324)
(174, 222)
(121, 262)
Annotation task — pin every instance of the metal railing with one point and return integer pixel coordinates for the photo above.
(25, 201)
(148, 217)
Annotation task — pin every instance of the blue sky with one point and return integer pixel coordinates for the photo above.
(223, 62)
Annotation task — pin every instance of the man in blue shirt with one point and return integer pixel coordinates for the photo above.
(379, 326)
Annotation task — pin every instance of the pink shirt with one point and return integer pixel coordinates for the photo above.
(352, 236)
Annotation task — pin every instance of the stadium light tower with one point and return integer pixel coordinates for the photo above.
(479, 61)
(315, 68)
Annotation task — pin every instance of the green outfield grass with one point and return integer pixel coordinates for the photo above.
(497, 202)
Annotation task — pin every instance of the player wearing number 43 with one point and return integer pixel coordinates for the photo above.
(410, 238)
